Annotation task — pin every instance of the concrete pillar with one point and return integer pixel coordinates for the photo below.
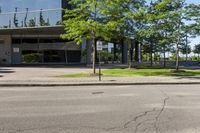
(88, 52)
(16, 54)
(115, 51)
(84, 52)
(139, 53)
(136, 51)
(124, 52)
(5, 49)
(132, 49)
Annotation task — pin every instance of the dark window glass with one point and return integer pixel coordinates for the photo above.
(1, 41)
(46, 41)
(16, 41)
(54, 56)
(29, 40)
(59, 40)
(52, 40)
(31, 56)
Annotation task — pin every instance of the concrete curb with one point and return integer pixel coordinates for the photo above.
(97, 84)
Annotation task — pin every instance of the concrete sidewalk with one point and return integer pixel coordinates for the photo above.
(105, 81)
(33, 76)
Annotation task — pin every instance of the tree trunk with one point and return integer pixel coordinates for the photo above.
(94, 55)
(147, 57)
(186, 58)
(129, 60)
(177, 56)
(115, 52)
(151, 54)
(130, 49)
(164, 58)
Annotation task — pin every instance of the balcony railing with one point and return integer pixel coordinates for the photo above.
(27, 19)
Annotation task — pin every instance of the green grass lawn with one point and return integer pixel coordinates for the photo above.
(137, 72)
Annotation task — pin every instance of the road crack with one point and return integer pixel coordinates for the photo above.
(153, 122)
(143, 114)
(162, 110)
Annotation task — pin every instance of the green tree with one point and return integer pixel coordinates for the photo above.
(83, 22)
(180, 27)
(185, 49)
(15, 18)
(158, 27)
(166, 24)
(42, 21)
(32, 23)
(105, 20)
(193, 13)
(197, 50)
(124, 18)
(25, 18)
(173, 23)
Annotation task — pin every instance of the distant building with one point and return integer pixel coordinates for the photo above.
(30, 34)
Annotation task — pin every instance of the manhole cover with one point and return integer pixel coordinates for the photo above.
(95, 93)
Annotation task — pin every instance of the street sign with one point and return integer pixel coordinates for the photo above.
(99, 46)
(15, 50)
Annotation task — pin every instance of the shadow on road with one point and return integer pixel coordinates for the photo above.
(4, 70)
(188, 78)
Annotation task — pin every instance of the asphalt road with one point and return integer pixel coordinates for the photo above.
(101, 109)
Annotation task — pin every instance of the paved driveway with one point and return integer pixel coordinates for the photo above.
(37, 73)
(116, 109)
(46, 75)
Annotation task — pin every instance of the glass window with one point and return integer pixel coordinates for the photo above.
(30, 13)
(29, 40)
(16, 41)
(1, 41)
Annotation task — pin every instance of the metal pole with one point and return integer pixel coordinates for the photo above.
(99, 66)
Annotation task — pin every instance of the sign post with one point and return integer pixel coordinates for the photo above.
(99, 49)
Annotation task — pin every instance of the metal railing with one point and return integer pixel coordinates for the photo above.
(27, 19)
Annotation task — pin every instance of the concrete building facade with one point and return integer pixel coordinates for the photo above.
(30, 34)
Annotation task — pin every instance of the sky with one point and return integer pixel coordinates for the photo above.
(9, 5)
(196, 40)
(193, 1)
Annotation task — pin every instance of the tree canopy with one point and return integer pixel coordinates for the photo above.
(163, 24)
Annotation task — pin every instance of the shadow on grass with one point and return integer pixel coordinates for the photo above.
(152, 67)
(150, 72)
